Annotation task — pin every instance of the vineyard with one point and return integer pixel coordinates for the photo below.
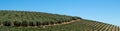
(40, 21)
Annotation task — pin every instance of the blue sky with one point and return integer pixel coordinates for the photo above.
(107, 11)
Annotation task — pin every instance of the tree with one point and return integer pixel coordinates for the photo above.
(24, 23)
(38, 23)
(7, 23)
(17, 23)
(31, 23)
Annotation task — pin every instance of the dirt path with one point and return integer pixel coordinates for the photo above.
(63, 23)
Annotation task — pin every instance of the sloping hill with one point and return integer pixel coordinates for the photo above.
(40, 21)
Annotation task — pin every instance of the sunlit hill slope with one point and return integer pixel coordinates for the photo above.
(40, 21)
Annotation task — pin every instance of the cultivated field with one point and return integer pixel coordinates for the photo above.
(40, 21)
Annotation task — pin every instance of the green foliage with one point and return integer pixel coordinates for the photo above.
(24, 23)
(32, 16)
(39, 19)
(32, 23)
(17, 23)
(76, 26)
(59, 22)
(23, 18)
(38, 23)
(6, 23)
(0, 22)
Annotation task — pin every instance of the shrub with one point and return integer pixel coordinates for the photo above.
(51, 22)
(7, 23)
(77, 17)
(64, 20)
(0, 22)
(31, 23)
(59, 22)
(73, 18)
(68, 20)
(55, 22)
(17, 23)
(45, 23)
(24, 23)
(38, 23)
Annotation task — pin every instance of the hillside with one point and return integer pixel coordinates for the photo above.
(40, 21)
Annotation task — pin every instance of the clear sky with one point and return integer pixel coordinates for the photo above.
(107, 11)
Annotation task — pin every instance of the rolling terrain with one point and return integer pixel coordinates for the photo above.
(40, 21)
